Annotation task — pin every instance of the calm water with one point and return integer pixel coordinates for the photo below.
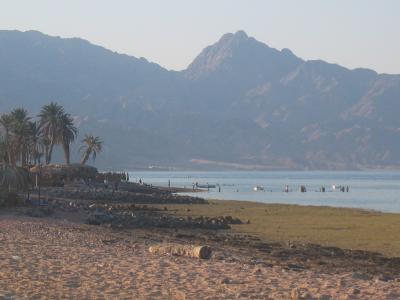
(369, 190)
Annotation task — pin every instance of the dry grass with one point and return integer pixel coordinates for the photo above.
(341, 227)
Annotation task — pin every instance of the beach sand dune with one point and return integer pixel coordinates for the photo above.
(51, 259)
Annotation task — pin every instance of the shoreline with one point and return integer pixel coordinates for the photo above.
(283, 203)
(295, 204)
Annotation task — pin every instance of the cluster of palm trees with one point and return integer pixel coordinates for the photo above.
(56, 127)
(25, 141)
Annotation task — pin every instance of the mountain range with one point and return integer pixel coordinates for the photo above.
(239, 104)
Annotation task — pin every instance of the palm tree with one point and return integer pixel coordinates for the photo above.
(92, 146)
(3, 151)
(36, 143)
(49, 121)
(6, 121)
(67, 134)
(21, 134)
(13, 178)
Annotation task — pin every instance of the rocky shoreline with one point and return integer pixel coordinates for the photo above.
(128, 193)
(124, 208)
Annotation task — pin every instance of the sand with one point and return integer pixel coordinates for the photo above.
(53, 259)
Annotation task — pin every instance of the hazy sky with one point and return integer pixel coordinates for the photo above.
(353, 33)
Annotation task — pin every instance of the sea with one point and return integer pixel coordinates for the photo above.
(371, 190)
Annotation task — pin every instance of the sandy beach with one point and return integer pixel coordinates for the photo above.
(49, 258)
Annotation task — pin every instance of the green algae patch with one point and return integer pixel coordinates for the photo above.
(328, 226)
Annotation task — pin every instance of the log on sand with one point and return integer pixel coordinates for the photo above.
(202, 252)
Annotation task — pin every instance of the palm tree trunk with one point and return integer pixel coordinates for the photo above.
(66, 152)
(8, 146)
(50, 151)
(85, 157)
(13, 155)
(47, 150)
(23, 156)
(46, 153)
(51, 146)
(34, 155)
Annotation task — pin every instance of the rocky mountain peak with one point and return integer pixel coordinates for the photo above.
(212, 57)
(238, 36)
(237, 53)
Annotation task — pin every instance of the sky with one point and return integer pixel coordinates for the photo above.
(353, 33)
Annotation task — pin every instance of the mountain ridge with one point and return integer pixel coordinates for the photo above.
(240, 32)
(240, 102)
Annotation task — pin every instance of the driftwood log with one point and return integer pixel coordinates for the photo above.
(202, 252)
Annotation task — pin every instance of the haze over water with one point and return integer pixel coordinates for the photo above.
(377, 190)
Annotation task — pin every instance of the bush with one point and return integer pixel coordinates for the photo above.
(8, 199)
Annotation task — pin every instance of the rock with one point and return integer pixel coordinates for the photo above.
(325, 297)
(356, 291)
(257, 272)
(300, 293)
(230, 220)
(39, 212)
(242, 295)
(230, 281)
(290, 244)
(342, 282)
(226, 281)
(361, 276)
(295, 267)
(99, 218)
(383, 277)
(393, 295)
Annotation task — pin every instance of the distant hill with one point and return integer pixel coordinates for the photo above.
(239, 104)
